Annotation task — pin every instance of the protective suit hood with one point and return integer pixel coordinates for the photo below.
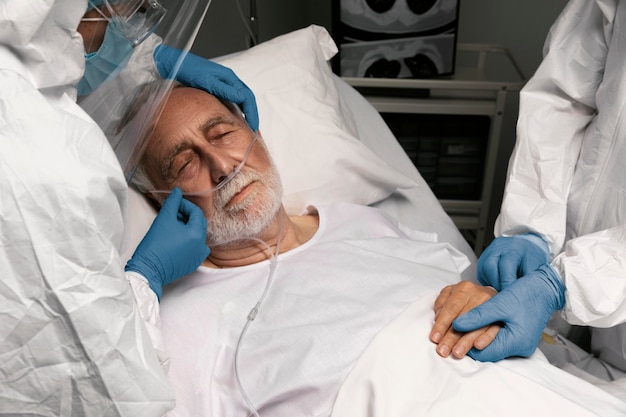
(39, 38)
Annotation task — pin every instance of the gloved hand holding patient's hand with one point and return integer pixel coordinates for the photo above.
(175, 244)
(453, 301)
(522, 309)
(508, 258)
(209, 76)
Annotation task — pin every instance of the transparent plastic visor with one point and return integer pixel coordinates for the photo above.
(136, 19)
(110, 104)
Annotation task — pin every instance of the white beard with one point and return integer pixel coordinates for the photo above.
(249, 217)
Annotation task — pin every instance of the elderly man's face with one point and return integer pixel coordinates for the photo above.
(197, 142)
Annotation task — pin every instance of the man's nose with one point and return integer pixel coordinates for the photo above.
(221, 164)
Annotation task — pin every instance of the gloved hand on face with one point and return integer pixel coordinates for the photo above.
(508, 258)
(209, 76)
(523, 308)
(175, 244)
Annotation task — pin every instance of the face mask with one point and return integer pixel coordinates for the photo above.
(105, 62)
(129, 24)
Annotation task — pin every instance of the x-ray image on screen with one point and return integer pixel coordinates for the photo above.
(395, 38)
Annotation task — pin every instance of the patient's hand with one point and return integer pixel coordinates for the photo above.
(453, 301)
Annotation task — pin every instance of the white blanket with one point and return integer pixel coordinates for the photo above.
(400, 375)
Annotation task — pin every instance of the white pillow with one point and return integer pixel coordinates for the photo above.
(312, 141)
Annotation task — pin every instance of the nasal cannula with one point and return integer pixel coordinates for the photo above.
(273, 264)
(253, 313)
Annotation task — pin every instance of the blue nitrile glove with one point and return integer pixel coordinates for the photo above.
(523, 309)
(209, 76)
(508, 258)
(175, 244)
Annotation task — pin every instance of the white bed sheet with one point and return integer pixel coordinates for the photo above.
(400, 375)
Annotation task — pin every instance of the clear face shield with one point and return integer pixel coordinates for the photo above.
(135, 19)
(142, 25)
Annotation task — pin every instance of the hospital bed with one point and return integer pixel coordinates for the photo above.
(330, 144)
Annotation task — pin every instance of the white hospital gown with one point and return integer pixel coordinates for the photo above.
(329, 298)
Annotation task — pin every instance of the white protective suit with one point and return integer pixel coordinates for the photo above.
(566, 178)
(72, 342)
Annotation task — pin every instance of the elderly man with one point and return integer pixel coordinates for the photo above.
(323, 284)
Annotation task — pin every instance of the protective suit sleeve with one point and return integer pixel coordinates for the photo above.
(556, 105)
(593, 268)
(148, 306)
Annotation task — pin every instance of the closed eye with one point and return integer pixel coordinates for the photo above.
(220, 128)
(185, 165)
(218, 134)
